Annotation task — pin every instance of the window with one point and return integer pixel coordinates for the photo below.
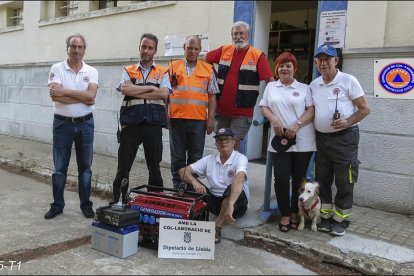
(68, 8)
(16, 18)
(108, 4)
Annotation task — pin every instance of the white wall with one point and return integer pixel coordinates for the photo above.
(112, 43)
(115, 35)
(379, 30)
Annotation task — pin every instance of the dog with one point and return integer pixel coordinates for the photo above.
(309, 204)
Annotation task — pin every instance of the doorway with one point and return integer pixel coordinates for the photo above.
(292, 28)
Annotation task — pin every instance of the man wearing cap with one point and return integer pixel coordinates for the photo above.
(226, 172)
(340, 105)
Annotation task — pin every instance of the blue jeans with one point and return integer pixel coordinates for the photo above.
(187, 138)
(64, 134)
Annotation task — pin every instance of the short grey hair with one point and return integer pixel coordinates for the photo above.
(191, 37)
(75, 35)
(241, 24)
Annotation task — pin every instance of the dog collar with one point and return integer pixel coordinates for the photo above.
(313, 206)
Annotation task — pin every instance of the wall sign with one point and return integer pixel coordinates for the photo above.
(186, 239)
(332, 28)
(173, 45)
(394, 78)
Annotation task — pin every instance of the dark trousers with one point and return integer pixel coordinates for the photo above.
(214, 203)
(131, 138)
(285, 166)
(337, 158)
(187, 138)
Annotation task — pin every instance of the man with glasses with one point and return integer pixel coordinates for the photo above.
(241, 67)
(72, 86)
(340, 104)
(226, 172)
(192, 105)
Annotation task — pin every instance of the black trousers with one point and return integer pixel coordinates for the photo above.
(285, 166)
(337, 161)
(131, 138)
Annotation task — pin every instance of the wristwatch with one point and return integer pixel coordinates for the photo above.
(299, 123)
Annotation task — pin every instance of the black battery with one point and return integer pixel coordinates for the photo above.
(119, 216)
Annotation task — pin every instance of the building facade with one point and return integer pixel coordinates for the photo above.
(33, 33)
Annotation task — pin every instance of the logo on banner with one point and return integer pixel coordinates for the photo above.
(187, 237)
(397, 78)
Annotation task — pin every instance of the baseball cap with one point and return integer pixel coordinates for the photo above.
(281, 143)
(224, 132)
(326, 49)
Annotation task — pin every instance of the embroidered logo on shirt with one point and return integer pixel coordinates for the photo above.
(86, 79)
(251, 62)
(296, 94)
(336, 90)
(230, 173)
(157, 76)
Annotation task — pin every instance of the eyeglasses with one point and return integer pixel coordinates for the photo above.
(74, 47)
(224, 139)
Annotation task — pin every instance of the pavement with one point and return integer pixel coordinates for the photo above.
(376, 242)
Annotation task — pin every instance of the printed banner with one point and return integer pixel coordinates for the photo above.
(186, 239)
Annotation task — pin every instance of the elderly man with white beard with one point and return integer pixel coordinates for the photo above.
(241, 67)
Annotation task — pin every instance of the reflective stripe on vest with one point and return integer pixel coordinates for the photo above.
(249, 63)
(189, 99)
(141, 101)
(154, 78)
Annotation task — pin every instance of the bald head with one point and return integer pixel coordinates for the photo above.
(192, 48)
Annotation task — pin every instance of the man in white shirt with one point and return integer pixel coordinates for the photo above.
(226, 172)
(73, 85)
(340, 105)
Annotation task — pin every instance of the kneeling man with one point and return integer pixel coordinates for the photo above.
(226, 172)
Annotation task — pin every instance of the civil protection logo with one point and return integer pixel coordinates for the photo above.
(397, 78)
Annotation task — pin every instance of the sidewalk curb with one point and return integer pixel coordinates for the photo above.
(366, 264)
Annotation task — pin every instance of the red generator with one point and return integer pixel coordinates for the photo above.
(162, 202)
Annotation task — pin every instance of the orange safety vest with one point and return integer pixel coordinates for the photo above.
(189, 99)
(154, 78)
(248, 78)
(136, 111)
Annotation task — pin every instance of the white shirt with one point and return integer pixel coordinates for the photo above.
(344, 86)
(288, 102)
(61, 73)
(219, 175)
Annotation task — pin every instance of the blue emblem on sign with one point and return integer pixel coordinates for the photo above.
(397, 78)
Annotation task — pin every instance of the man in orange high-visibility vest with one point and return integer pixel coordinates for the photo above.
(191, 107)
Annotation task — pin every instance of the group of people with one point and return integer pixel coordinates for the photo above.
(321, 117)
(192, 100)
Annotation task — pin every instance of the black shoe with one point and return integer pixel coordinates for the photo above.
(325, 225)
(338, 228)
(88, 212)
(53, 212)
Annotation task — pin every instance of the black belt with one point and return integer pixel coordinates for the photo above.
(336, 133)
(74, 119)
